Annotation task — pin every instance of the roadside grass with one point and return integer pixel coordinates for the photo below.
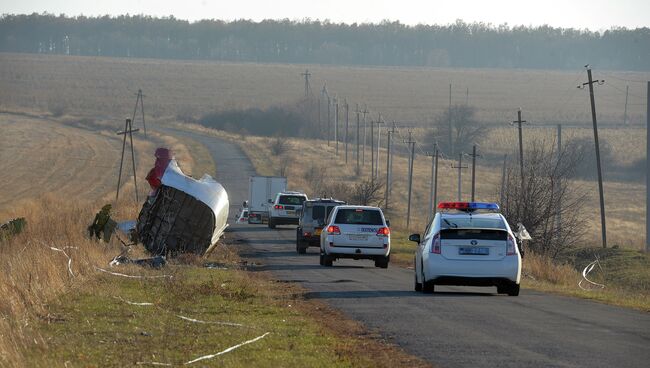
(35, 269)
(624, 273)
(96, 325)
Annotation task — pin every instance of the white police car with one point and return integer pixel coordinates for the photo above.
(356, 232)
(467, 243)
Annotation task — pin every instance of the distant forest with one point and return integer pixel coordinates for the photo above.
(473, 45)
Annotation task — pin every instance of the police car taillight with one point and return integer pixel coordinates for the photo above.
(278, 206)
(511, 246)
(435, 244)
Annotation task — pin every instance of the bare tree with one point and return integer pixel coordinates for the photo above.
(465, 129)
(368, 193)
(547, 193)
(279, 146)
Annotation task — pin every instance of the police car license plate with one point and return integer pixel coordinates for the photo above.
(476, 251)
(291, 212)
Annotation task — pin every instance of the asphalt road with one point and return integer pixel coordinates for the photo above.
(456, 326)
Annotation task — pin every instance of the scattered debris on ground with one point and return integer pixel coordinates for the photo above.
(12, 227)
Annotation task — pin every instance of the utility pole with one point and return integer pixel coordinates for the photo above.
(347, 125)
(389, 135)
(591, 82)
(627, 90)
(451, 135)
(128, 129)
(363, 154)
(467, 97)
(460, 167)
(139, 99)
(410, 142)
(319, 122)
(372, 150)
(329, 119)
(323, 93)
(522, 196)
(647, 171)
(358, 137)
(558, 223)
(503, 181)
(434, 180)
(521, 151)
(378, 146)
(473, 154)
(336, 125)
(307, 74)
(389, 164)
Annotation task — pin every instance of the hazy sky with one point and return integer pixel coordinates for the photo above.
(592, 14)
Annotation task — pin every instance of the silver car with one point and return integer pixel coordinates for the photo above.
(356, 232)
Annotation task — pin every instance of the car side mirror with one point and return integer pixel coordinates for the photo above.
(388, 223)
(270, 200)
(415, 238)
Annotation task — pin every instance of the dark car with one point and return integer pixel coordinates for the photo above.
(312, 218)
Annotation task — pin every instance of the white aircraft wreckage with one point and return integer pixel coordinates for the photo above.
(182, 214)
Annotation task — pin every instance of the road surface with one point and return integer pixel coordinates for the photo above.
(456, 326)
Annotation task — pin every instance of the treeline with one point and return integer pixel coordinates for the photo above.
(389, 43)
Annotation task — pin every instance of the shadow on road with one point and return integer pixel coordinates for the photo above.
(296, 267)
(363, 294)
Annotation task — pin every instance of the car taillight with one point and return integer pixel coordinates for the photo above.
(435, 244)
(307, 233)
(511, 246)
(334, 230)
(384, 231)
(278, 207)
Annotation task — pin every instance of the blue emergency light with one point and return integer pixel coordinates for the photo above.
(468, 206)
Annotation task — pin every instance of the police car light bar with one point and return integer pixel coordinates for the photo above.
(468, 206)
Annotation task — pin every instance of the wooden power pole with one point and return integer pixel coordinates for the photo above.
(128, 129)
(434, 182)
(411, 143)
(647, 171)
(460, 167)
(347, 126)
(601, 194)
(139, 100)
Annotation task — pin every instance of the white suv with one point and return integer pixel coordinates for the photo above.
(469, 243)
(284, 210)
(357, 232)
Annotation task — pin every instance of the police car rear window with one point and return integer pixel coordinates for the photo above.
(477, 234)
(469, 222)
(294, 200)
(358, 217)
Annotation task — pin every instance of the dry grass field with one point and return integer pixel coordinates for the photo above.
(106, 87)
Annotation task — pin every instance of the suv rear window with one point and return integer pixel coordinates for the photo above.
(292, 200)
(475, 223)
(320, 212)
(358, 217)
(478, 234)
